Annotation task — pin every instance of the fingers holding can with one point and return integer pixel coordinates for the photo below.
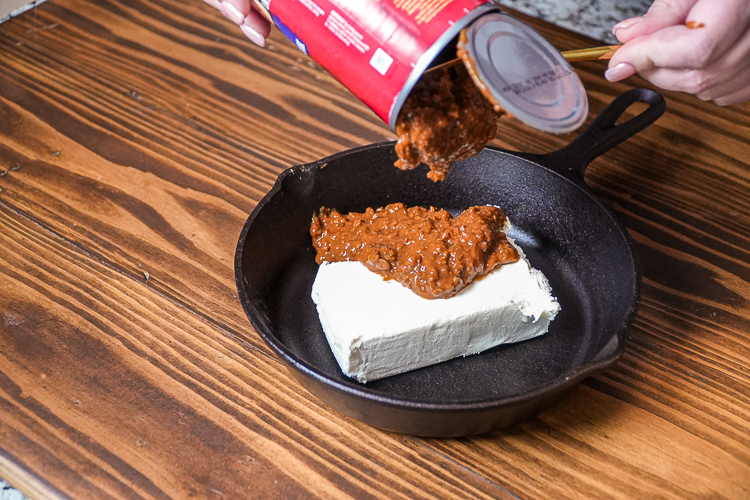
(252, 18)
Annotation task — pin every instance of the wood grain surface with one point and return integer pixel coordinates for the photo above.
(135, 138)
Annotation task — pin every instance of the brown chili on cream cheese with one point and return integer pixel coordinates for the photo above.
(426, 250)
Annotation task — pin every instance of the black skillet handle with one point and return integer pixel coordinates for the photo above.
(603, 135)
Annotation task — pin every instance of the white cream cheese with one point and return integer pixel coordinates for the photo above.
(378, 327)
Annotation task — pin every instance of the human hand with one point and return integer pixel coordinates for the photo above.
(701, 47)
(242, 13)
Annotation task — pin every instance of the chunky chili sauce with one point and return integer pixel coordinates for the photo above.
(426, 250)
(446, 118)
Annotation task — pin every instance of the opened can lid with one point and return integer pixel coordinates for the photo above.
(525, 74)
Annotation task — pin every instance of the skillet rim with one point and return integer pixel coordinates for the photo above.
(355, 389)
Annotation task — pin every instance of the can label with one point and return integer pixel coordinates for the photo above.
(375, 48)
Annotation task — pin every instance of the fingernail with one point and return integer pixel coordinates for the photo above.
(627, 23)
(231, 12)
(619, 72)
(253, 35)
(216, 4)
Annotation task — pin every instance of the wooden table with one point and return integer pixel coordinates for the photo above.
(135, 138)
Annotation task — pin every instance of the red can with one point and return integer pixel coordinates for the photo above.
(380, 48)
(377, 49)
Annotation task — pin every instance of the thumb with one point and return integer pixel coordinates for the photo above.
(661, 14)
(680, 47)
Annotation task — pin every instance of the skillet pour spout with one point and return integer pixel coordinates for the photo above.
(564, 229)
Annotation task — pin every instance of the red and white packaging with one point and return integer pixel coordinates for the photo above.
(377, 49)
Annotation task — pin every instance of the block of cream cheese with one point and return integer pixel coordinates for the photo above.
(377, 328)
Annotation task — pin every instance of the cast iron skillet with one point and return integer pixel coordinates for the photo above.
(566, 232)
